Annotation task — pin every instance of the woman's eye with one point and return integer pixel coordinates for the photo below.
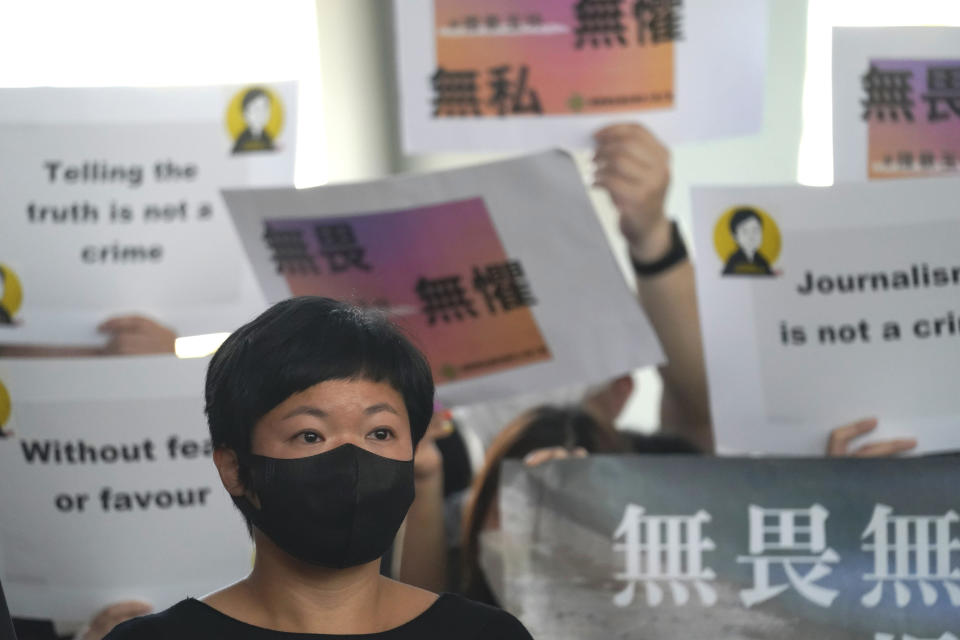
(310, 437)
(381, 434)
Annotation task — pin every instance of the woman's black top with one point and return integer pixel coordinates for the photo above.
(451, 616)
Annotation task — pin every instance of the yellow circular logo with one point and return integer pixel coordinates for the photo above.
(254, 119)
(747, 239)
(11, 294)
(4, 408)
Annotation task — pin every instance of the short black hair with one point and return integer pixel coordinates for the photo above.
(563, 426)
(252, 95)
(742, 215)
(301, 342)
(573, 426)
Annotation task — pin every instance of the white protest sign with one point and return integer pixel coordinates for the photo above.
(107, 487)
(500, 272)
(896, 102)
(528, 74)
(111, 205)
(823, 306)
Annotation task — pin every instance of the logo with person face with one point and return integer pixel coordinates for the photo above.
(4, 411)
(747, 240)
(11, 294)
(254, 120)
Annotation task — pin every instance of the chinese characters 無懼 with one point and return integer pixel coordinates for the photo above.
(503, 286)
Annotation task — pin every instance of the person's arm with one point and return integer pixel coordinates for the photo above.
(635, 168)
(423, 561)
(137, 335)
(38, 351)
(127, 336)
(109, 617)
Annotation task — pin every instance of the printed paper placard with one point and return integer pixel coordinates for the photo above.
(896, 102)
(496, 271)
(108, 488)
(112, 205)
(505, 74)
(391, 258)
(823, 306)
(665, 547)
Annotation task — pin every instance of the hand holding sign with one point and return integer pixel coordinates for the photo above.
(841, 438)
(109, 617)
(634, 166)
(131, 335)
(127, 336)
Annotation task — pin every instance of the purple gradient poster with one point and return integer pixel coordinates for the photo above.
(913, 112)
(440, 270)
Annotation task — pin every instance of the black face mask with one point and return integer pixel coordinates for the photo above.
(341, 508)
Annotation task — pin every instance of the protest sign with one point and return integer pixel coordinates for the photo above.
(111, 205)
(500, 272)
(896, 102)
(685, 547)
(822, 306)
(108, 489)
(528, 74)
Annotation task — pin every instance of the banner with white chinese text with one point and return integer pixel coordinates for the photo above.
(660, 547)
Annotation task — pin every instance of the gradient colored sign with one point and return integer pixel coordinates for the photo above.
(912, 108)
(440, 270)
(543, 57)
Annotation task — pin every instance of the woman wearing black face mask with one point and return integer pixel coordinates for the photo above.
(315, 409)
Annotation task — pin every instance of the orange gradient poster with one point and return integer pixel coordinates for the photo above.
(502, 57)
(913, 111)
(896, 102)
(506, 75)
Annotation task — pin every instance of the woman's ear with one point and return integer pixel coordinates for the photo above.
(228, 466)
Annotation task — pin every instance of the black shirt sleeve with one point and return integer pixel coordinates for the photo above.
(31, 629)
(504, 627)
(144, 628)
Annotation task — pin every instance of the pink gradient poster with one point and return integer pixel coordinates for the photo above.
(912, 108)
(544, 57)
(440, 270)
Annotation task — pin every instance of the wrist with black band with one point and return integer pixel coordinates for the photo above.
(674, 255)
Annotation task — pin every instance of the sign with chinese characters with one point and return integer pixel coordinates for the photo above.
(687, 547)
(896, 102)
(108, 489)
(821, 306)
(112, 206)
(497, 271)
(477, 286)
(508, 74)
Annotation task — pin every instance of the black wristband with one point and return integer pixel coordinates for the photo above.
(676, 253)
